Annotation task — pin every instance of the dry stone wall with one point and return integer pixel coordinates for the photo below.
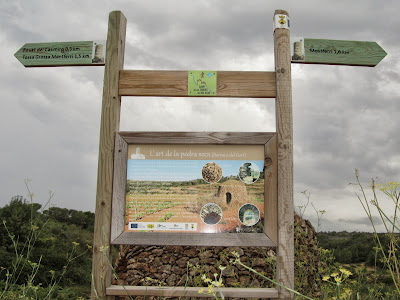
(184, 265)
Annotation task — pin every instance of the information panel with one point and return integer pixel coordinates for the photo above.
(195, 188)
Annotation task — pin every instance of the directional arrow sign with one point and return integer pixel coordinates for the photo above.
(83, 53)
(336, 52)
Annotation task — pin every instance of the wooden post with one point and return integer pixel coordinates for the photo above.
(110, 115)
(284, 128)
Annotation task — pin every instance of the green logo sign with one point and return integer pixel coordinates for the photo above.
(202, 83)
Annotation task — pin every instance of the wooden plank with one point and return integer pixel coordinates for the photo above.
(53, 54)
(239, 84)
(271, 190)
(212, 138)
(284, 128)
(339, 52)
(119, 184)
(194, 239)
(109, 125)
(181, 291)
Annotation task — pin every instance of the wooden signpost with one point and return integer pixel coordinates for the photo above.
(336, 52)
(113, 225)
(83, 53)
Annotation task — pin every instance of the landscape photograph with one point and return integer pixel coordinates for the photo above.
(204, 197)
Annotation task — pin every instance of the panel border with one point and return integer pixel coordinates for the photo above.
(121, 237)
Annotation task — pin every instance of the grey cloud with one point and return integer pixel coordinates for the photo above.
(362, 221)
(344, 117)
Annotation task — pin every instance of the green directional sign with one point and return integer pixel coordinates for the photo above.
(83, 53)
(336, 52)
(202, 83)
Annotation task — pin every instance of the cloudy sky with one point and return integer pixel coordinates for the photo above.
(343, 117)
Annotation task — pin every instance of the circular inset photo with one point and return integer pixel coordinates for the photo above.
(211, 214)
(249, 172)
(249, 214)
(211, 172)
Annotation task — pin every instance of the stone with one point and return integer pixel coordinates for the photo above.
(177, 270)
(157, 252)
(238, 250)
(165, 269)
(171, 279)
(172, 260)
(255, 284)
(191, 252)
(258, 262)
(142, 267)
(211, 261)
(206, 254)
(165, 259)
(231, 281)
(182, 262)
(243, 272)
(229, 271)
(214, 270)
(194, 261)
(157, 262)
(142, 259)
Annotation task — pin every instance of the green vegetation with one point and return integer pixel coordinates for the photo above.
(44, 254)
(154, 187)
(352, 247)
(166, 217)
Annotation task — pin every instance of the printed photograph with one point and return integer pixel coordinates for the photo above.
(193, 195)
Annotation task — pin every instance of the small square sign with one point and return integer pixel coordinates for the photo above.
(202, 83)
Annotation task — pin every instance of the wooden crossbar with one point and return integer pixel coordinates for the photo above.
(181, 291)
(195, 239)
(237, 84)
(212, 138)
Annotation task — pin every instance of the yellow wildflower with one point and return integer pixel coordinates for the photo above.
(338, 279)
(205, 279)
(326, 278)
(347, 273)
(221, 268)
(348, 291)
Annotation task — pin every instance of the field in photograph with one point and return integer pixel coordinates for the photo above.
(164, 201)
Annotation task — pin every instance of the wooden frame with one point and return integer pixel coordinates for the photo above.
(121, 237)
(278, 157)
